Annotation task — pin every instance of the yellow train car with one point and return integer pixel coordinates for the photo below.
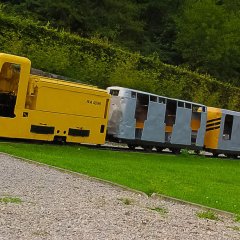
(40, 108)
(222, 132)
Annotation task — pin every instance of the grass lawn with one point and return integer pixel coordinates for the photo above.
(208, 181)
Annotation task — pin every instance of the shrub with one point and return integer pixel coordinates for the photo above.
(97, 63)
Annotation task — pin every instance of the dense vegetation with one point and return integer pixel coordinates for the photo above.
(97, 63)
(198, 179)
(202, 35)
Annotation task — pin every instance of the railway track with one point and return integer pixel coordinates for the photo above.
(124, 148)
(113, 147)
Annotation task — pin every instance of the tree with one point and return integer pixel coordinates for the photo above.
(209, 39)
(160, 29)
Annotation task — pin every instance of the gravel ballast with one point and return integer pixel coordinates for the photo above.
(59, 205)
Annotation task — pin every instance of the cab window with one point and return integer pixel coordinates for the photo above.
(114, 92)
(9, 79)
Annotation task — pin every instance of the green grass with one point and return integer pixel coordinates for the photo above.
(237, 218)
(160, 210)
(126, 201)
(236, 228)
(10, 200)
(208, 181)
(207, 215)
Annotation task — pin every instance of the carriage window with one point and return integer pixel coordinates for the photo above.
(141, 113)
(195, 122)
(133, 94)
(170, 118)
(171, 112)
(227, 131)
(153, 98)
(114, 92)
(180, 104)
(188, 105)
(142, 107)
(9, 79)
(161, 100)
(195, 108)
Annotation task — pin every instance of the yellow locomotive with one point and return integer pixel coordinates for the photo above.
(40, 108)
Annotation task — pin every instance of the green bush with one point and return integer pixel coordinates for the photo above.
(97, 63)
(207, 215)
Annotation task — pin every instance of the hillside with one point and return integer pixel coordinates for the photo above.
(200, 35)
(98, 63)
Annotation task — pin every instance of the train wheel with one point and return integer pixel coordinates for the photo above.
(159, 149)
(232, 156)
(197, 152)
(131, 146)
(147, 148)
(215, 155)
(176, 151)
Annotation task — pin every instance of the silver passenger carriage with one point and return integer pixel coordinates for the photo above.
(229, 143)
(148, 120)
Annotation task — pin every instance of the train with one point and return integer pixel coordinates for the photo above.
(35, 107)
(143, 119)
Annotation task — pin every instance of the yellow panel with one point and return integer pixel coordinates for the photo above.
(214, 116)
(168, 129)
(70, 102)
(140, 125)
(67, 84)
(20, 127)
(195, 124)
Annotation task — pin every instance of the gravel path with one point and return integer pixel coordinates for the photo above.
(58, 205)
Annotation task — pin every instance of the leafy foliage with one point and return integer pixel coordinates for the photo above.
(202, 35)
(98, 63)
(209, 38)
(139, 25)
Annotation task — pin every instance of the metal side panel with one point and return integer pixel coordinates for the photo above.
(182, 128)
(221, 143)
(234, 143)
(202, 130)
(127, 123)
(154, 126)
(235, 140)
